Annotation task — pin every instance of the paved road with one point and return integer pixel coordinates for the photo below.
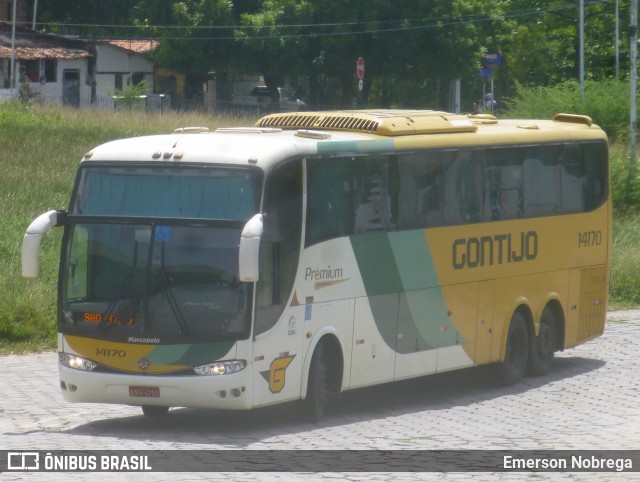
(589, 402)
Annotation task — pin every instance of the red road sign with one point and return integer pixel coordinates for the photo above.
(360, 68)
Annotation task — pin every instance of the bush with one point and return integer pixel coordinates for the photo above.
(625, 189)
(606, 102)
(624, 291)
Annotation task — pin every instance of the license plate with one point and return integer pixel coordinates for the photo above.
(147, 392)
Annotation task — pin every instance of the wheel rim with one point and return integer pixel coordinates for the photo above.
(545, 338)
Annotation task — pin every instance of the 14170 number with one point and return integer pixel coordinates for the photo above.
(588, 239)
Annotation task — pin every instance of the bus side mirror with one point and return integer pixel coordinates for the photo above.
(250, 249)
(32, 238)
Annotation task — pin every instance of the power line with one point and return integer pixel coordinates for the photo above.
(428, 23)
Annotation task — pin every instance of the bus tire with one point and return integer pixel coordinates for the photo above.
(154, 410)
(544, 345)
(317, 388)
(516, 351)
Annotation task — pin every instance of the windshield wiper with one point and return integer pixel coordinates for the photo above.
(115, 307)
(173, 303)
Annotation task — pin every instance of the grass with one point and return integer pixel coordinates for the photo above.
(624, 292)
(41, 151)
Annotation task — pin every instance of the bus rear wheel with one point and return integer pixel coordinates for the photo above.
(154, 410)
(317, 388)
(543, 346)
(516, 351)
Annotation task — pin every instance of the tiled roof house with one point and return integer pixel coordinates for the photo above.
(67, 70)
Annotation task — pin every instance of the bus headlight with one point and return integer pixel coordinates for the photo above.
(221, 368)
(77, 362)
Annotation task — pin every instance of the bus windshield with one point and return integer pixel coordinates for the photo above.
(157, 260)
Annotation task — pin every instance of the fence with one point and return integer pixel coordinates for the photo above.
(151, 103)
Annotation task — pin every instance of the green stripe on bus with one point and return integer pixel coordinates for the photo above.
(413, 259)
(399, 277)
(192, 354)
(377, 264)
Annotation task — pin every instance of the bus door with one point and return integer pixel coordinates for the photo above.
(279, 319)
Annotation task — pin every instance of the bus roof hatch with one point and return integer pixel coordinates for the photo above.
(381, 122)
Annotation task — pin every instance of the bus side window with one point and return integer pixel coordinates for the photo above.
(280, 244)
(542, 183)
(463, 189)
(329, 200)
(573, 181)
(421, 190)
(503, 184)
(411, 177)
(371, 201)
(596, 174)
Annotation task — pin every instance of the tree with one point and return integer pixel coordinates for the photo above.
(411, 49)
(88, 17)
(197, 46)
(423, 39)
(543, 47)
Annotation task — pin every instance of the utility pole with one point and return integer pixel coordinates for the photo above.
(617, 35)
(581, 40)
(12, 80)
(35, 11)
(633, 124)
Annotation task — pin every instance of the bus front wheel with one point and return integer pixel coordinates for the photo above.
(317, 389)
(516, 350)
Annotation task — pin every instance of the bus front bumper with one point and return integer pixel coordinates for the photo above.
(227, 392)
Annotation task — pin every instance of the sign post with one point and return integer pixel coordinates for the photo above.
(360, 73)
(490, 62)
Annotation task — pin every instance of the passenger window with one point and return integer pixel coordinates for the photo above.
(573, 181)
(462, 202)
(542, 181)
(421, 190)
(503, 184)
(596, 174)
(329, 199)
(371, 200)
(348, 196)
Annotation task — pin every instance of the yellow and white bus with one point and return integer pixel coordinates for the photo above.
(318, 252)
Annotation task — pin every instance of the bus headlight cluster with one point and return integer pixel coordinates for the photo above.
(77, 362)
(221, 368)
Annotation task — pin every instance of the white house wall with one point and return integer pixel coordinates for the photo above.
(54, 90)
(111, 61)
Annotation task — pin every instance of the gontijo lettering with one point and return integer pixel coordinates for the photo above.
(492, 250)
